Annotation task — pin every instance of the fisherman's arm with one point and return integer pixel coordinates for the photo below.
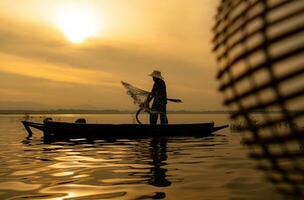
(150, 96)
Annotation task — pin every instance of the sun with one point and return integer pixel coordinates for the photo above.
(77, 22)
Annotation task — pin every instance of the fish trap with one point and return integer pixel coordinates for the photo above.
(259, 47)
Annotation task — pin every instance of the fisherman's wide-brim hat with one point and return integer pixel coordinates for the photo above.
(156, 74)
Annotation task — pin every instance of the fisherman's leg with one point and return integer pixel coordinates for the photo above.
(163, 116)
(153, 117)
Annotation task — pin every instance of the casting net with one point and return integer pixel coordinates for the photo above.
(139, 96)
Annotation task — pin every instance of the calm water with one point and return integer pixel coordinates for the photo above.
(212, 168)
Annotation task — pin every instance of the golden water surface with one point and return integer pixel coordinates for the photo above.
(214, 167)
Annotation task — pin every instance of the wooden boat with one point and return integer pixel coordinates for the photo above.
(64, 130)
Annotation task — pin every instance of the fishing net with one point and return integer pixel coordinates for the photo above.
(139, 96)
(259, 47)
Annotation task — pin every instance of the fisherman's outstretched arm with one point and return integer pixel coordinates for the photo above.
(150, 96)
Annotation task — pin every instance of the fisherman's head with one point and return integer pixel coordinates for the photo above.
(156, 75)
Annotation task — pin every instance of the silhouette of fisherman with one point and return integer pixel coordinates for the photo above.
(159, 96)
(158, 154)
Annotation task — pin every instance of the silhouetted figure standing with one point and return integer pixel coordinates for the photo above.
(159, 94)
(158, 154)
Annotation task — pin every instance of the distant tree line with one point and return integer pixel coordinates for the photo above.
(113, 111)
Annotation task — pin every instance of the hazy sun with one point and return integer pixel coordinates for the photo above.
(77, 22)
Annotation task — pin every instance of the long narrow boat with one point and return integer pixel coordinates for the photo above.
(64, 130)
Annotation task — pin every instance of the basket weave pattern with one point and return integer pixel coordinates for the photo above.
(259, 47)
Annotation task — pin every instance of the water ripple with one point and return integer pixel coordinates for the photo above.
(160, 168)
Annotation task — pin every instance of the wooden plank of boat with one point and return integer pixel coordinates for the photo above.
(83, 130)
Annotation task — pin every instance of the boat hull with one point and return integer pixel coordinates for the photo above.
(53, 129)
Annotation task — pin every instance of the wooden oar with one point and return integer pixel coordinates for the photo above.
(175, 100)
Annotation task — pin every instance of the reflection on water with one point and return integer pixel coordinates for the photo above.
(158, 154)
(214, 167)
(95, 169)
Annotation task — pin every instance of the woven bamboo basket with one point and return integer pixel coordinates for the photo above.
(259, 47)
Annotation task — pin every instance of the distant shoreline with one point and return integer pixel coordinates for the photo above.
(74, 111)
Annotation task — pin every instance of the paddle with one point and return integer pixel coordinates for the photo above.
(175, 100)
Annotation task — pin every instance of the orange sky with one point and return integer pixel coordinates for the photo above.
(40, 63)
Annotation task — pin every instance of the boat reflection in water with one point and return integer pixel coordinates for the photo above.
(103, 165)
(212, 167)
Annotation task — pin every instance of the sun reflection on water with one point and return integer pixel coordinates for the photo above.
(161, 168)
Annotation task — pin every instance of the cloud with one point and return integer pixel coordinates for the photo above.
(125, 60)
(16, 87)
(44, 44)
(26, 67)
(42, 53)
